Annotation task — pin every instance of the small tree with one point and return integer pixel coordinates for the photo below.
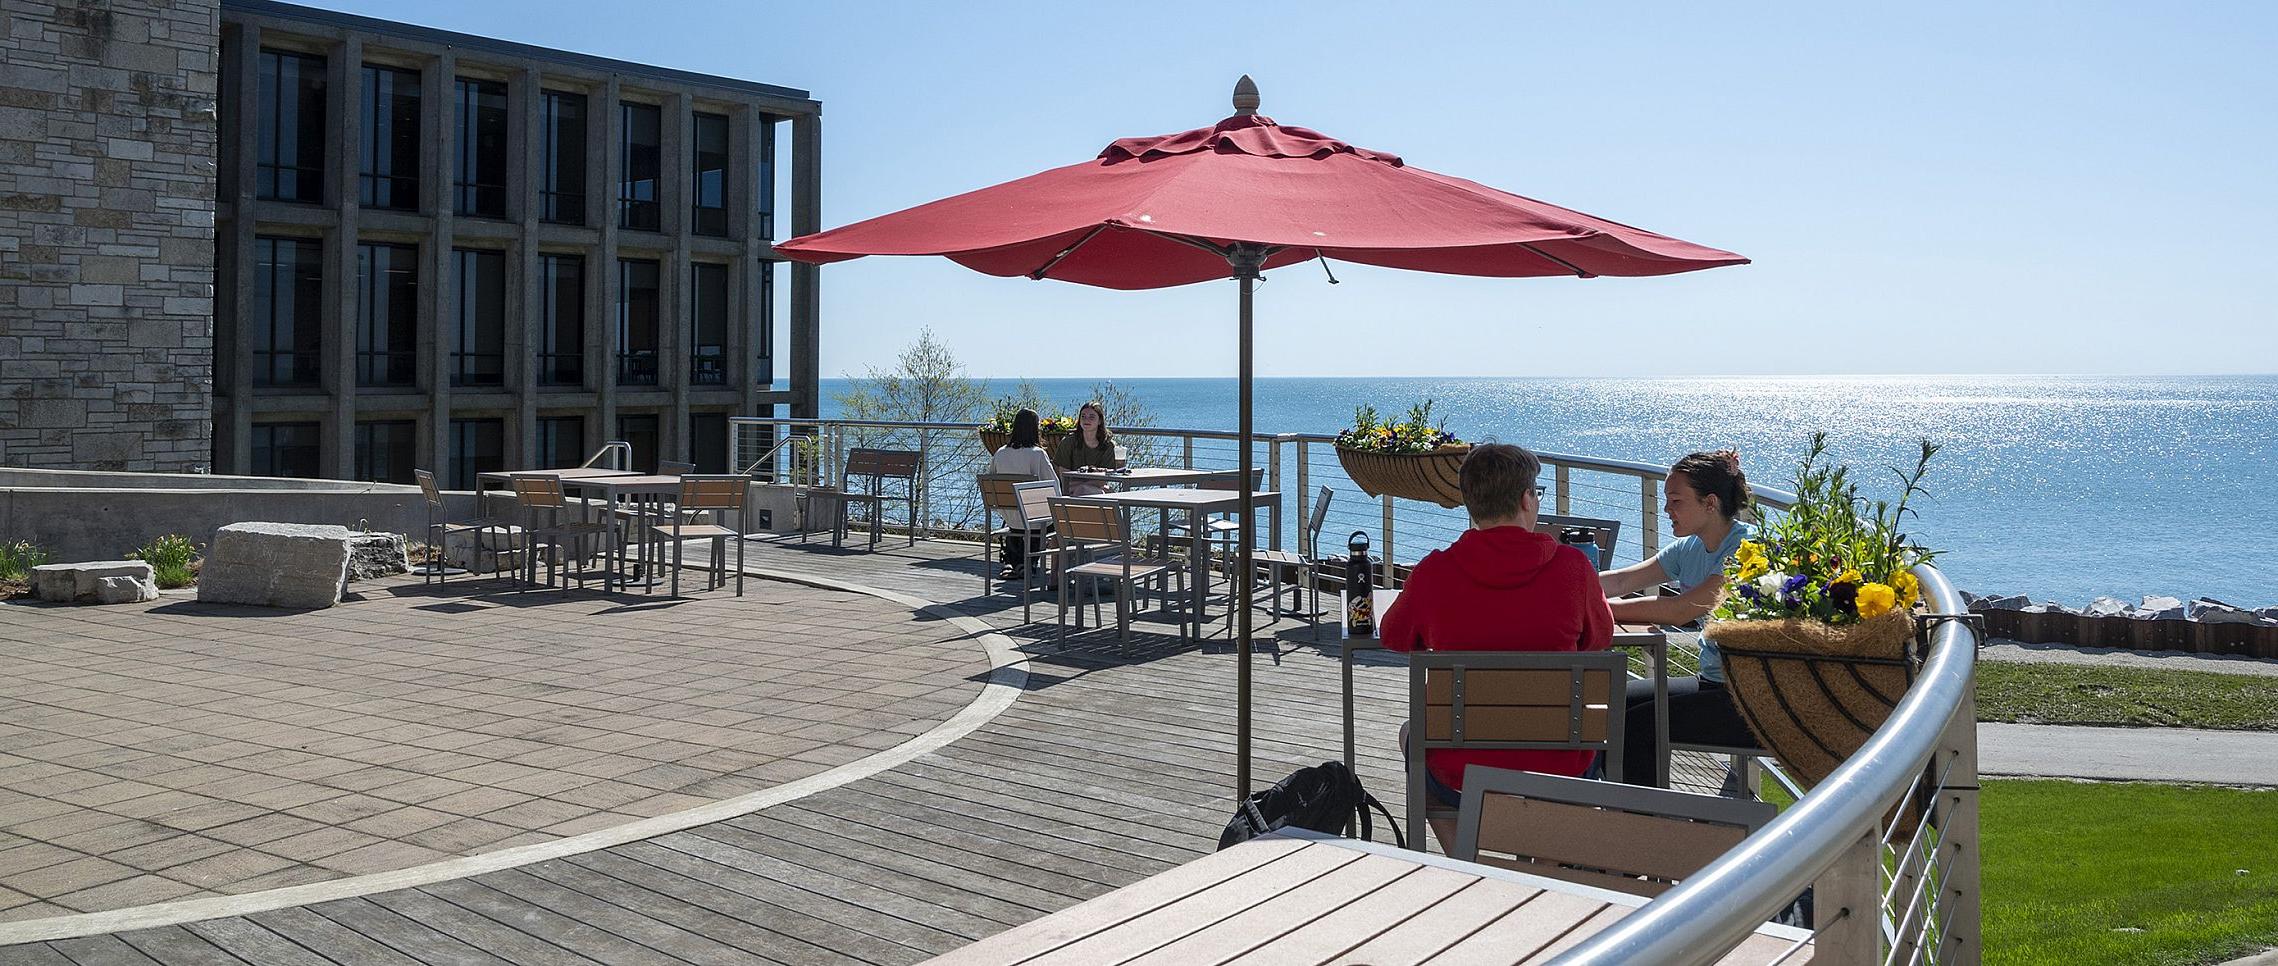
(926, 384)
(1126, 411)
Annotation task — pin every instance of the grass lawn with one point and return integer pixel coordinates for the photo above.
(2067, 864)
(2089, 695)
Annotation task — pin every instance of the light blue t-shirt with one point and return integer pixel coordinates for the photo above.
(1689, 564)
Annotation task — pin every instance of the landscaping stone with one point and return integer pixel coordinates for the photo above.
(95, 582)
(465, 554)
(294, 565)
(377, 555)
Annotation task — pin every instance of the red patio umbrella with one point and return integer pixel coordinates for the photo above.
(1232, 200)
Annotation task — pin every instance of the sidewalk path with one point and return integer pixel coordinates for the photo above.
(2129, 754)
(2014, 652)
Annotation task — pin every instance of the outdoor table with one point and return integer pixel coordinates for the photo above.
(1196, 504)
(640, 487)
(1301, 897)
(1653, 638)
(570, 477)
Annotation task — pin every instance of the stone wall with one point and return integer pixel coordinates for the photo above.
(107, 184)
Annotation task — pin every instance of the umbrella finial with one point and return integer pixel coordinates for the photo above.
(1245, 96)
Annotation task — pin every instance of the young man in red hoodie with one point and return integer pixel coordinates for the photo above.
(1500, 587)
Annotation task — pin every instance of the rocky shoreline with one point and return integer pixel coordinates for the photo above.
(2158, 623)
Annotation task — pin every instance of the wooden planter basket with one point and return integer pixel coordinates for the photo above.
(993, 440)
(1430, 477)
(1812, 693)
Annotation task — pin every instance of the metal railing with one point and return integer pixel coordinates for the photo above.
(1888, 843)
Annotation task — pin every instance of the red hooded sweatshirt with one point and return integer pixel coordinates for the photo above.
(1501, 589)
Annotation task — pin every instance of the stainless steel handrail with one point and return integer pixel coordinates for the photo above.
(1713, 910)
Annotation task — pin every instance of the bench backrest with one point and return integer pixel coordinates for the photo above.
(899, 464)
(712, 492)
(1080, 522)
(1623, 837)
(539, 492)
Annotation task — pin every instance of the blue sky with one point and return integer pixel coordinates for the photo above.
(2017, 187)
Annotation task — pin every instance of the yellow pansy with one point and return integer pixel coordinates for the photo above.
(1875, 600)
(1907, 587)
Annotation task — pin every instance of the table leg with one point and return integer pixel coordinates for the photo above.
(1661, 713)
(1350, 764)
(1199, 570)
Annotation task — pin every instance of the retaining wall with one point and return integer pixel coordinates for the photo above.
(92, 516)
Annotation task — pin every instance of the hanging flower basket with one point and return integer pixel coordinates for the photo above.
(1431, 477)
(1812, 692)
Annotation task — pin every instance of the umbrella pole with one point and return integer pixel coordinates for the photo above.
(1246, 260)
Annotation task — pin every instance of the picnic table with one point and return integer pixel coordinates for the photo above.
(1301, 897)
(1196, 504)
(1654, 638)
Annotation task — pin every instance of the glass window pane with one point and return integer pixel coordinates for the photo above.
(561, 345)
(387, 315)
(385, 450)
(481, 148)
(708, 358)
(711, 182)
(478, 280)
(287, 449)
(636, 322)
(288, 311)
(638, 187)
(477, 447)
(289, 129)
(561, 189)
(561, 441)
(708, 442)
(390, 115)
(640, 430)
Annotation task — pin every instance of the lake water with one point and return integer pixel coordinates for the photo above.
(2060, 487)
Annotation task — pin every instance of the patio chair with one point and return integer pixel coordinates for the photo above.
(1082, 527)
(543, 494)
(440, 528)
(698, 495)
(1025, 507)
(1509, 700)
(1629, 839)
(876, 466)
(1303, 564)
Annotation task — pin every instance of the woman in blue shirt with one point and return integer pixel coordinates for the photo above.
(1703, 495)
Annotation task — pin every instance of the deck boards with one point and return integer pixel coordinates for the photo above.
(1113, 765)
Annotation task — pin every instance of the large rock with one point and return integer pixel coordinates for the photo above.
(2160, 609)
(2208, 610)
(295, 565)
(1999, 602)
(2107, 607)
(377, 555)
(95, 582)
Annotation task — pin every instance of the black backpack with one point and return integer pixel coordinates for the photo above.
(1321, 798)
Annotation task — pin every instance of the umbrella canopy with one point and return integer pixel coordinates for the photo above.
(1230, 201)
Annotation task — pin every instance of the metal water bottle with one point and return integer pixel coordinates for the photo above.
(1360, 575)
(1585, 540)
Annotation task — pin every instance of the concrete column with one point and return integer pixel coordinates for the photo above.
(522, 319)
(345, 64)
(233, 437)
(436, 303)
(806, 279)
(604, 157)
(678, 327)
(746, 127)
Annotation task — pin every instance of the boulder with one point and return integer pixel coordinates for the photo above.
(2269, 614)
(1998, 602)
(377, 555)
(295, 565)
(95, 582)
(2160, 609)
(2208, 610)
(468, 556)
(2107, 607)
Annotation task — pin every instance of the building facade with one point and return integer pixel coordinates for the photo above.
(107, 161)
(424, 249)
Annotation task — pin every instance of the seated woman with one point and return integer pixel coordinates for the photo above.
(1500, 587)
(1021, 456)
(1704, 493)
(1091, 446)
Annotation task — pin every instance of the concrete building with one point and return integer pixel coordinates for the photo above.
(424, 249)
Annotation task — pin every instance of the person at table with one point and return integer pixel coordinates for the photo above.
(1021, 456)
(1703, 496)
(1090, 447)
(1500, 587)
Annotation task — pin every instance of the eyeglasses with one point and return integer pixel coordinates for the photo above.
(1540, 490)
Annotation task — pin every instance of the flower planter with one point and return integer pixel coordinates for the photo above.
(993, 440)
(1429, 477)
(1813, 693)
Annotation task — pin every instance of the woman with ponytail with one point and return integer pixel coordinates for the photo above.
(1702, 496)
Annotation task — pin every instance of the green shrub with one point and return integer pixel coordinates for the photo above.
(17, 559)
(169, 558)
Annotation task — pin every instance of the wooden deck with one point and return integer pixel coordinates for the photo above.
(1113, 764)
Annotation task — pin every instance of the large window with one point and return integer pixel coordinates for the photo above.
(387, 315)
(561, 139)
(711, 174)
(561, 441)
(708, 358)
(640, 430)
(390, 174)
(636, 322)
(289, 144)
(288, 315)
(478, 348)
(480, 177)
(708, 442)
(764, 187)
(477, 446)
(288, 449)
(561, 320)
(385, 450)
(638, 187)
